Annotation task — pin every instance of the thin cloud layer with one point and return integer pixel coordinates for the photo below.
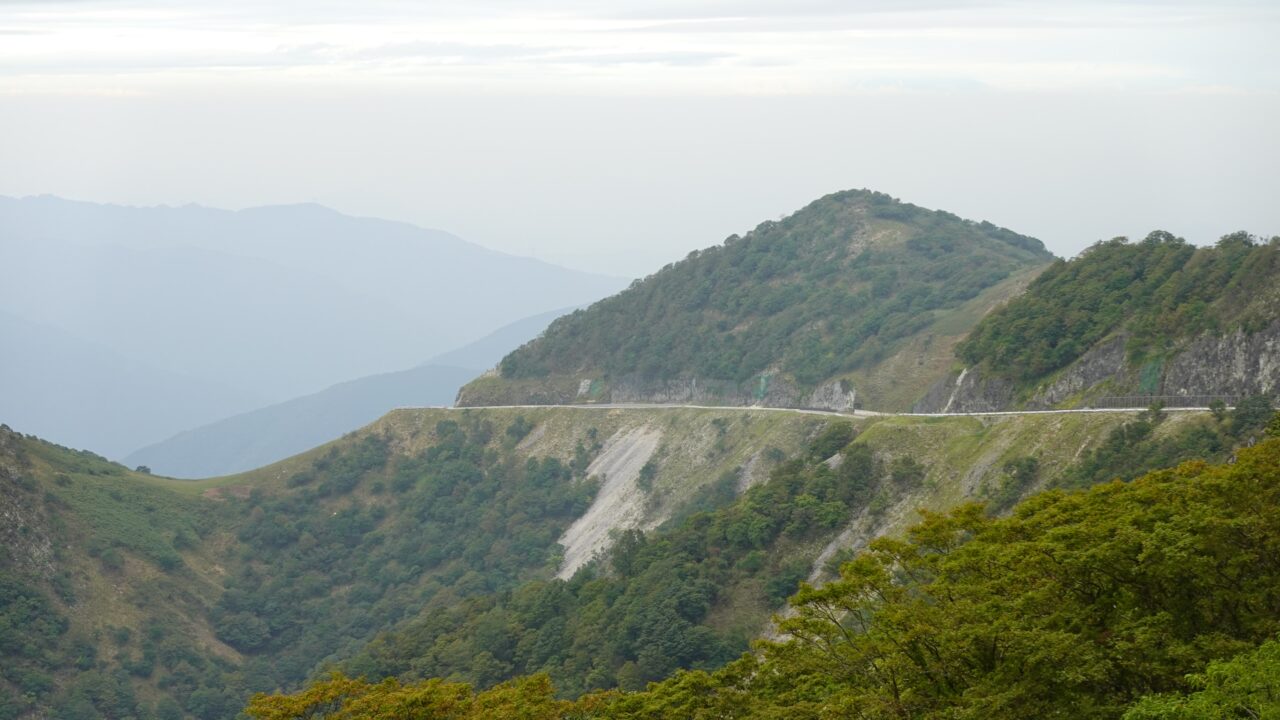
(715, 46)
(618, 136)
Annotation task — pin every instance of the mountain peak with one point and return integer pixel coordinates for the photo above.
(768, 317)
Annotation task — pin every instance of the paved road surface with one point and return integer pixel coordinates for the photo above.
(805, 411)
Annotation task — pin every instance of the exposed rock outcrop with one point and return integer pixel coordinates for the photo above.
(1233, 364)
(769, 390)
(766, 390)
(1101, 363)
(964, 392)
(838, 395)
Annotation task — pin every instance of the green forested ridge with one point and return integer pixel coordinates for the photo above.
(425, 546)
(1159, 291)
(832, 287)
(651, 607)
(1156, 598)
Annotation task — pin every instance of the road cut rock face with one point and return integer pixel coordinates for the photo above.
(1232, 364)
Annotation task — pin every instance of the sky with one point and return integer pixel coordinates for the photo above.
(618, 136)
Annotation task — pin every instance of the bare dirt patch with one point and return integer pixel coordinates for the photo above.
(619, 504)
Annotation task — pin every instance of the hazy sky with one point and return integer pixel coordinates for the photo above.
(617, 136)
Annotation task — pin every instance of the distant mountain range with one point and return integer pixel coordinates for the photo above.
(260, 437)
(231, 311)
(89, 395)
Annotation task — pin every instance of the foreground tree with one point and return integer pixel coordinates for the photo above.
(341, 698)
(1248, 686)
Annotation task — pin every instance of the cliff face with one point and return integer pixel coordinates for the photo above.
(1233, 364)
(763, 391)
(966, 392)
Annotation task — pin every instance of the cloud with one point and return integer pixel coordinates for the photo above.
(453, 50)
(675, 58)
(713, 46)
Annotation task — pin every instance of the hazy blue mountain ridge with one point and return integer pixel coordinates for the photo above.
(266, 435)
(89, 396)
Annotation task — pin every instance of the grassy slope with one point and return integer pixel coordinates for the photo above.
(896, 383)
(128, 552)
(964, 457)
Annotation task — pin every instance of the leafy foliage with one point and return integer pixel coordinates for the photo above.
(1246, 686)
(829, 289)
(340, 698)
(1159, 290)
(31, 629)
(432, 554)
(53, 664)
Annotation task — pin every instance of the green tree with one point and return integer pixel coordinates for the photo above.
(1246, 686)
(1250, 415)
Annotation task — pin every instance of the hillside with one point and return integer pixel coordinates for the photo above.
(855, 299)
(267, 435)
(1149, 600)
(139, 596)
(268, 303)
(1158, 318)
(406, 546)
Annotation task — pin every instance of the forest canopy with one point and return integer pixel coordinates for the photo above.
(826, 290)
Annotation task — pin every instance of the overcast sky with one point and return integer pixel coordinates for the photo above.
(617, 136)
